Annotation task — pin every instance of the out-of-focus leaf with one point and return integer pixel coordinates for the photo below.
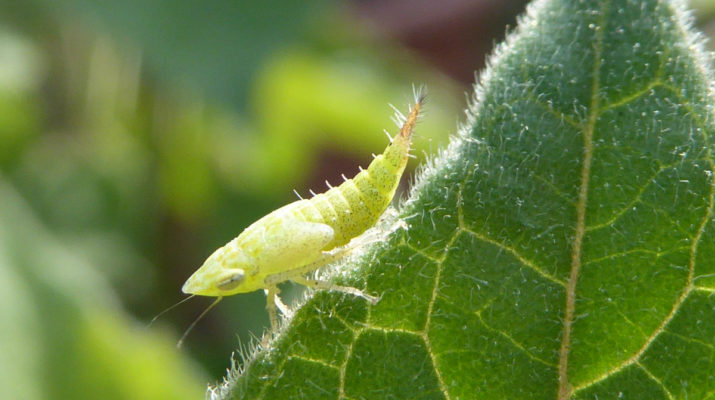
(216, 46)
(20, 75)
(63, 335)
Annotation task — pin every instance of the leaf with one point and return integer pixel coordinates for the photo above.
(562, 246)
(219, 48)
(62, 331)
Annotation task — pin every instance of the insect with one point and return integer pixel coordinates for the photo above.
(307, 234)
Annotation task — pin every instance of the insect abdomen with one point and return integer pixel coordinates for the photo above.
(356, 205)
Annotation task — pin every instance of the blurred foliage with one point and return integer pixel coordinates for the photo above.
(216, 46)
(64, 333)
(136, 137)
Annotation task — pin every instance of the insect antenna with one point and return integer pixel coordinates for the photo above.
(193, 324)
(171, 307)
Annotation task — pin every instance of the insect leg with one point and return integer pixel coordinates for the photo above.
(330, 286)
(271, 295)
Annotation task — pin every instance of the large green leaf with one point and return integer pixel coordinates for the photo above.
(561, 247)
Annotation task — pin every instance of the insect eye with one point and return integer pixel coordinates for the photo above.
(232, 281)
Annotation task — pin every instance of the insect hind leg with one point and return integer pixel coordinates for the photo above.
(318, 284)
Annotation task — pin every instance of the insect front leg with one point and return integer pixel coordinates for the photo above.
(273, 302)
(317, 284)
(271, 296)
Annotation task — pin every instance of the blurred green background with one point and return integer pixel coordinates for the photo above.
(136, 137)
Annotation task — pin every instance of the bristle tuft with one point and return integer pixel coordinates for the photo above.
(419, 94)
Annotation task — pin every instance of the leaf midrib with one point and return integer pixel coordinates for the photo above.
(565, 389)
(564, 392)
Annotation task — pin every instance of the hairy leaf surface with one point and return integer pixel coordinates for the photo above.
(562, 246)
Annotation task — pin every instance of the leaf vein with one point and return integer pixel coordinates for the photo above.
(704, 289)
(687, 290)
(656, 380)
(514, 342)
(554, 188)
(633, 96)
(343, 366)
(558, 114)
(691, 340)
(636, 199)
(312, 360)
(525, 261)
(428, 320)
(565, 390)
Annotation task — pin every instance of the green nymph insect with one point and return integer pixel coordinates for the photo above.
(307, 234)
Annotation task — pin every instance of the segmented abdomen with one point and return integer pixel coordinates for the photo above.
(356, 205)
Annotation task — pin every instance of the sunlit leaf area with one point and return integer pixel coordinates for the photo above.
(136, 137)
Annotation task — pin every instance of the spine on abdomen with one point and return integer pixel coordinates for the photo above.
(356, 205)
